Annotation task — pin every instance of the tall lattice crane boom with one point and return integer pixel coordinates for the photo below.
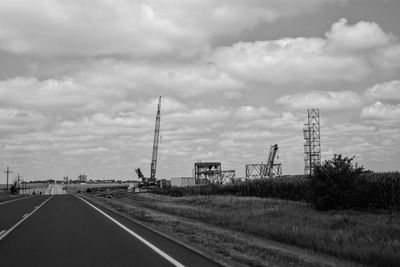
(153, 166)
(271, 159)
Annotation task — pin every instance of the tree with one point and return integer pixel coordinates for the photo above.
(334, 183)
(14, 189)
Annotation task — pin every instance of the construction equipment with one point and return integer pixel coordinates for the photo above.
(139, 173)
(271, 159)
(153, 166)
(268, 170)
(152, 180)
(207, 172)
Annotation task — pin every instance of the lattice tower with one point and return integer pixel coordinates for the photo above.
(312, 144)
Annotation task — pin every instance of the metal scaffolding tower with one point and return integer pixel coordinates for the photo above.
(228, 176)
(155, 143)
(312, 144)
(207, 172)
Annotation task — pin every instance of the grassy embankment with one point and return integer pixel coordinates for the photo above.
(246, 225)
(5, 196)
(77, 188)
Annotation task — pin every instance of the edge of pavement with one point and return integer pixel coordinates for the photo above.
(94, 201)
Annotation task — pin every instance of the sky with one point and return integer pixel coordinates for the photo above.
(80, 81)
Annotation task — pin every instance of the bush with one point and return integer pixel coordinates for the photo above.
(88, 190)
(13, 189)
(336, 184)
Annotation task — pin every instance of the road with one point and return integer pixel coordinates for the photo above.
(67, 231)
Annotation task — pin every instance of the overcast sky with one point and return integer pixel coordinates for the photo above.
(79, 82)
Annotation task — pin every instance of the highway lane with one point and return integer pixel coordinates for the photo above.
(13, 211)
(68, 232)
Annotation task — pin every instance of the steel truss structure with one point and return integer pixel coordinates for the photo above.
(207, 172)
(255, 171)
(258, 171)
(228, 176)
(312, 144)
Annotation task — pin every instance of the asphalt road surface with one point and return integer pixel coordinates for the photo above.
(64, 230)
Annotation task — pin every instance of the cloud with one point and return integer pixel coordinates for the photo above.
(139, 28)
(327, 100)
(288, 60)
(184, 79)
(363, 35)
(54, 95)
(388, 58)
(251, 113)
(384, 91)
(349, 53)
(381, 112)
(18, 121)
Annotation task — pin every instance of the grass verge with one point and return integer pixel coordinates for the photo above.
(249, 231)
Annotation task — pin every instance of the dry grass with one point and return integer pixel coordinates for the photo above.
(362, 237)
(233, 248)
(74, 188)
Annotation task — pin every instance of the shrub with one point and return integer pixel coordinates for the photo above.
(336, 184)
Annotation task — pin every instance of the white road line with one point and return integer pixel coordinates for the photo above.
(25, 215)
(2, 235)
(8, 201)
(157, 250)
(2, 232)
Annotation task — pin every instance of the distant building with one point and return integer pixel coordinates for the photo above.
(66, 179)
(82, 178)
(183, 181)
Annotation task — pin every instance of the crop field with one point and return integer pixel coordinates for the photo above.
(371, 190)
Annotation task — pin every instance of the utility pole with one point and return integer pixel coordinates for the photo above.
(8, 172)
(18, 179)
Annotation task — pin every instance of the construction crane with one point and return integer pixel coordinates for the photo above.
(271, 158)
(140, 174)
(153, 166)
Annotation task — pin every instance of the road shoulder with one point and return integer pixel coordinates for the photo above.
(227, 247)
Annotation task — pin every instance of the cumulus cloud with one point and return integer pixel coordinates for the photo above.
(17, 121)
(54, 95)
(184, 79)
(384, 91)
(363, 35)
(287, 60)
(250, 112)
(327, 100)
(388, 58)
(381, 112)
(348, 53)
(139, 28)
